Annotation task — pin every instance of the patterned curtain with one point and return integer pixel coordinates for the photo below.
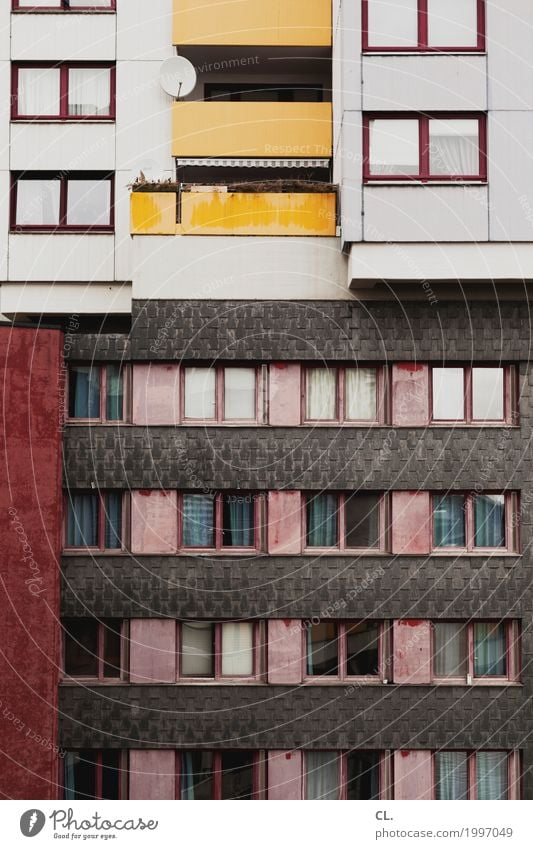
(449, 521)
(489, 521)
(198, 520)
(452, 775)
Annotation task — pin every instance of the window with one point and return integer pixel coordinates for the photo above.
(95, 520)
(475, 521)
(49, 201)
(96, 392)
(65, 5)
(345, 649)
(475, 650)
(422, 147)
(344, 394)
(478, 394)
(63, 91)
(471, 775)
(94, 774)
(222, 520)
(218, 650)
(424, 25)
(219, 775)
(254, 92)
(336, 775)
(93, 648)
(347, 521)
(222, 393)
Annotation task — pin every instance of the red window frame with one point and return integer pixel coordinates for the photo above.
(258, 772)
(101, 494)
(510, 395)
(258, 643)
(218, 546)
(384, 654)
(513, 654)
(341, 524)
(100, 677)
(62, 226)
(512, 535)
(340, 410)
(102, 418)
(424, 174)
(63, 68)
(63, 6)
(342, 762)
(219, 417)
(422, 46)
(513, 771)
(98, 763)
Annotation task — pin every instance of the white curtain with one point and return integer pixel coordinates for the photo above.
(197, 649)
(448, 394)
(454, 147)
(38, 91)
(38, 202)
(89, 91)
(452, 23)
(394, 146)
(452, 776)
(450, 649)
(88, 202)
(321, 393)
(491, 775)
(361, 394)
(239, 393)
(322, 775)
(237, 648)
(199, 393)
(487, 394)
(392, 23)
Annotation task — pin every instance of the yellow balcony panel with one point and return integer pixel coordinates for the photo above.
(284, 23)
(275, 130)
(153, 213)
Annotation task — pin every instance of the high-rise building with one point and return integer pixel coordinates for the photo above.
(266, 400)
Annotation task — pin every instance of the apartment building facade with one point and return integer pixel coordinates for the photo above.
(266, 401)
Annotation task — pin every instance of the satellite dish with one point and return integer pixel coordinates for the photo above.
(177, 76)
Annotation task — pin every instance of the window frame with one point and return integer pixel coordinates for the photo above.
(63, 68)
(422, 46)
(512, 764)
(382, 384)
(342, 780)
(101, 495)
(123, 778)
(219, 418)
(512, 530)
(99, 678)
(341, 547)
(424, 174)
(219, 547)
(510, 395)
(513, 651)
(64, 7)
(63, 178)
(258, 643)
(102, 418)
(384, 654)
(259, 777)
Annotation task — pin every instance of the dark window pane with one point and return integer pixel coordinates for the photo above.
(490, 649)
(80, 774)
(196, 778)
(84, 392)
(81, 647)
(362, 643)
(322, 649)
(112, 645)
(82, 527)
(362, 521)
(322, 776)
(113, 520)
(322, 521)
(489, 521)
(449, 521)
(237, 775)
(198, 521)
(114, 393)
(238, 520)
(363, 776)
(110, 774)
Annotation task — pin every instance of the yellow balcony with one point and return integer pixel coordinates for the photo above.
(216, 213)
(284, 23)
(204, 129)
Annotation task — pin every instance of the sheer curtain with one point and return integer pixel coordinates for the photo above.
(38, 91)
(83, 519)
(113, 520)
(454, 147)
(491, 775)
(38, 202)
(89, 91)
(114, 393)
(489, 649)
(71, 759)
(361, 394)
(198, 520)
(449, 521)
(452, 775)
(322, 775)
(322, 521)
(489, 521)
(239, 393)
(321, 393)
(237, 648)
(84, 392)
(238, 521)
(450, 649)
(197, 649)
(199, 393)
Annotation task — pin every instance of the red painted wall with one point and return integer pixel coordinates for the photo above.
(152, 774)
(285, 651)
(285, 390)
(413, 775)
(30, 539)
(285, 522)
(410, 394)
(410, 523)
(412, 651)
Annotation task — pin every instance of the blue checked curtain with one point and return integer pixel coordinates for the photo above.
(489, 521)
(490, 656)
(449, 521)
(491, 775)
(83, 519)
(452, 776)
(84, 392)
(322, 520)
(198, 520)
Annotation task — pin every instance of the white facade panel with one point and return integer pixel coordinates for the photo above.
(351, 156)
(63, 36)
(123, 238)
(144, 30)
(510, 163)
(5, 29)
(69, 257)
(214, 267)
(72, 147)
(64, 298)
(351, 55)
(427, 82)
(425, 213)
(5, 182)
(5, 111)
(509, 48)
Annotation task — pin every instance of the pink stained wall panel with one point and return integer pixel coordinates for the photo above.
(412, 651)
(284, 522)
(413, 775)
(152, 774)
(285, 394)
(284, 651)
(284, 775)
(410, 394)
(152, 651)
(410, 523)
(154, 521)
(155, 394)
